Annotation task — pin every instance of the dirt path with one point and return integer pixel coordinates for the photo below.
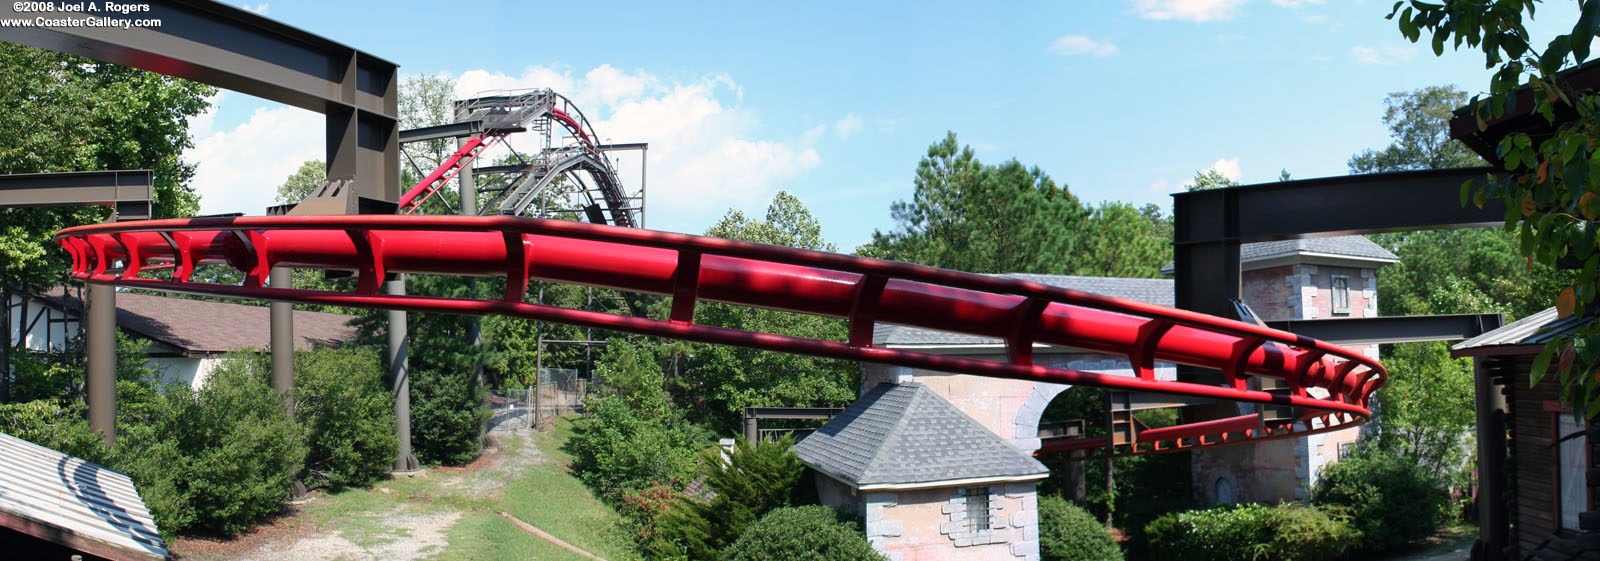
(412, 519)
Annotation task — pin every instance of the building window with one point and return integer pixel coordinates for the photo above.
(1341, 294)
(1571, 461)
(977, 509)
(1346, 449)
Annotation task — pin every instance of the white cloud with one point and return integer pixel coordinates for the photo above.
(1228, 167)
(1295, 3)
(1191, 10)
(1073, 45)
(813, 134)
(1161, 186)
(239, 170)
(1229, 38)
(1388, 54)
(705, 152)
(258, 8)
(1314, 18)
(847, 126)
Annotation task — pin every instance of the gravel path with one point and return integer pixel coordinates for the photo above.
(412, 531)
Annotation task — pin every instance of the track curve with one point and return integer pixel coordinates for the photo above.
(1329, 387)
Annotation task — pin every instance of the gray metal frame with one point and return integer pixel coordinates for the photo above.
(246, 52)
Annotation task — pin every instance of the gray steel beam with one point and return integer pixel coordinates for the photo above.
(791, 412)
(282, 340)
(462, 129)
(101, 343)
(129, 190)
(1333, 206)
(240, 50)
(1397, 329)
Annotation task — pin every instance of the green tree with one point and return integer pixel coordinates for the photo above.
(1210, 179)
(302, 182)
(741, 486)
(806, 533)
(1427, 403)
(1126, 242)
(1419, 123)
(1552, 188)
(345, 407)
(631, 436)
(969, 216)
(727, 379)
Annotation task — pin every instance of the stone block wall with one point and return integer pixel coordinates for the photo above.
(931, 524)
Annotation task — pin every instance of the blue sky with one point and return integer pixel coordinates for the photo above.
(836, 102)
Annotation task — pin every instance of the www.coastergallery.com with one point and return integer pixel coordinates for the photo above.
(92, 21)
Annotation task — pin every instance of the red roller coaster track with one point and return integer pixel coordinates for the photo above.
(1329, 387)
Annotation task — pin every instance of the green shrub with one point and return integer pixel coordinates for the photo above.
(807, 533)
(1250, 532)
(447, 416)
(348, 413)
(632, 437)
(616, 451)
(1068, 533)
(752, 481)
(217, 458)
(55, 424)
(1390, 499)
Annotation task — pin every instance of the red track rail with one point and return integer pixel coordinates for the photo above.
(1331, 386)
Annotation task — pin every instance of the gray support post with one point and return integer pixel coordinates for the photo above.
(752, 431)
(102, 371)
(1494, 529)
(282, 341)
(469, 207)
(400, 381)
(5, 323)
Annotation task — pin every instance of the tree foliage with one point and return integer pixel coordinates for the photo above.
(1067, 533)
(1552, 190)
(742, 486)
(86, 115)
(727, 379)
(348, 414)
(302, 182)
(1419, 124)
(807, 533)
(1010, 218)
(631, 436)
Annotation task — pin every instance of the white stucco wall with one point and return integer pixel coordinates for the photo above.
(190, 372)
(49, 333)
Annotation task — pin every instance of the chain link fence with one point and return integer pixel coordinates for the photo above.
(560, 392)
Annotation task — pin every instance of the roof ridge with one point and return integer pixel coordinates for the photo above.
(899, 423)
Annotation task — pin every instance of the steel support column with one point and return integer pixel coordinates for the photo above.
(1493, 525)
(400, 380)
(282, 340)
(102, 369)
(469, 207)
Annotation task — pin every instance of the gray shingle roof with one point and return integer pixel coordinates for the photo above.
(204, 327)
(1536, 329)
(907, 434)
(1354, 247)
(1344, 246)
(1153, 291)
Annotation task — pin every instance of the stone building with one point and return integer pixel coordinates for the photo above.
(1285, 280)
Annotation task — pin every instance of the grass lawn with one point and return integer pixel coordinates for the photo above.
(462, 505)
(548, 497)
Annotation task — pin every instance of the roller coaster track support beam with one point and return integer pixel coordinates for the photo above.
(400, 380)
(282, 341)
